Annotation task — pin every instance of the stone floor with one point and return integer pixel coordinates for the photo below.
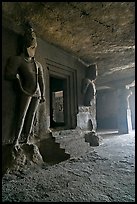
(105, 174)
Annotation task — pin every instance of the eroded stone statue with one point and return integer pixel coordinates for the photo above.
(29, 74)
(88, 87)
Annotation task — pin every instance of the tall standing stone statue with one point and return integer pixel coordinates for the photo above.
(88, 87)
(88, 90)
(29, 76)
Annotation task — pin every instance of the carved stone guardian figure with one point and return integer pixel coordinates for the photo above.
(29, 76)
(88, 87)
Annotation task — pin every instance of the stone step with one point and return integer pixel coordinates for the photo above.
(51, 151)
(73, 141)
(67, 135)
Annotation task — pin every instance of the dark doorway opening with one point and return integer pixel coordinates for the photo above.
(57, 102)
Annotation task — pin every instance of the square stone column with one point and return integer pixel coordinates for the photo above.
(124, 112)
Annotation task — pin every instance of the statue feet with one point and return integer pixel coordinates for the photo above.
(17, 142)
(16, 145)
(24, 139)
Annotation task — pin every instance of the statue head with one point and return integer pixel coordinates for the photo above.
(30, 41)
(91, 72)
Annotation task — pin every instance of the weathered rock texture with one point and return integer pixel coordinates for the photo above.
(86, 117)
(93, 138)
(101, 32)
(15, 160)
(106, 174)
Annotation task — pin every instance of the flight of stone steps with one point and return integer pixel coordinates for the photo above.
(72, 141)
(51, 151)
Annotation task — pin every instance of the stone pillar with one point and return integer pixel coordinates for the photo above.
(86, 117)
(132, 107)
(124, 112)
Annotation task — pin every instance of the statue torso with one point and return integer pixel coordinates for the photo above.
(28, 73)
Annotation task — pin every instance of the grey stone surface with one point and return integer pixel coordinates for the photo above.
(106, 174)
(86, 117)
(72, 141)
(92, 138)
(16, 159)
(102, 32)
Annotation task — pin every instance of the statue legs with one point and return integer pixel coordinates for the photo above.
(26, 113)
(29, 119)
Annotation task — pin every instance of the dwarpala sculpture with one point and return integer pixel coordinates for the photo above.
(29, 76)
(88, 87)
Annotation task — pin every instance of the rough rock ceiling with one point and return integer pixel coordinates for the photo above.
(94, 32)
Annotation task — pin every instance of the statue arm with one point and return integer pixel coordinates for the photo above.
(11, 68)
(93, 91)
(84, 86)
(41, 82)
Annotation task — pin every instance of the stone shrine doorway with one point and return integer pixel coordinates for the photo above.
(58, 102)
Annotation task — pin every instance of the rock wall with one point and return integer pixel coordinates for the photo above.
(44, 52)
